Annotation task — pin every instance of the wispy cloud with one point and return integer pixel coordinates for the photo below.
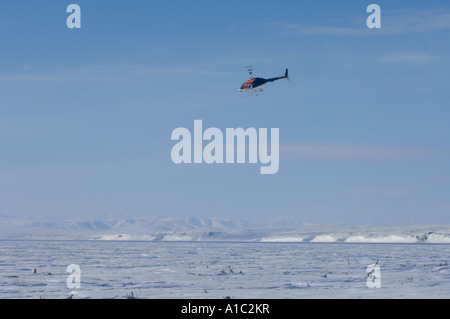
(324, 30)
(60, 74)
(393, 23)
(406, 57)
(417, 21)
(102, 73)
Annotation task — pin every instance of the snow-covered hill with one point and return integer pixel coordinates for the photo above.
(11, 226)
(152, 228)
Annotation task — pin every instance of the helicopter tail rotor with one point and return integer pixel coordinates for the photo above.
(286, 75)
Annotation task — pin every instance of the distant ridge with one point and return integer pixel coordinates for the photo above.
(11, 225)
(152, 228)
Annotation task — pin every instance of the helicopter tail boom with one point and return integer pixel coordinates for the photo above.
(286, 76)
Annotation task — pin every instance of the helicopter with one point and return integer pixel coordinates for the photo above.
(255, 85)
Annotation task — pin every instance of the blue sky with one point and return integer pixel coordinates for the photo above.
(86, 114)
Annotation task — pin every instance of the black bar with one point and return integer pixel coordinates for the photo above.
(225, 308)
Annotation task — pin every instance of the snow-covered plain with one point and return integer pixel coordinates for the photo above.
(223, 259)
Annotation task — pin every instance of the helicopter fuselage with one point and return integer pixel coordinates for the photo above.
(253, 84)
(256, 84)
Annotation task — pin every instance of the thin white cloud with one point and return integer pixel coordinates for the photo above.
(103, 73)
(54, 77)
(406, 57)
(417, 21)
(322, 30)
(61, 74)
(392, 23)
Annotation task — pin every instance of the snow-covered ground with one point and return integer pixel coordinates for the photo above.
(215, 259)
(117, 269)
